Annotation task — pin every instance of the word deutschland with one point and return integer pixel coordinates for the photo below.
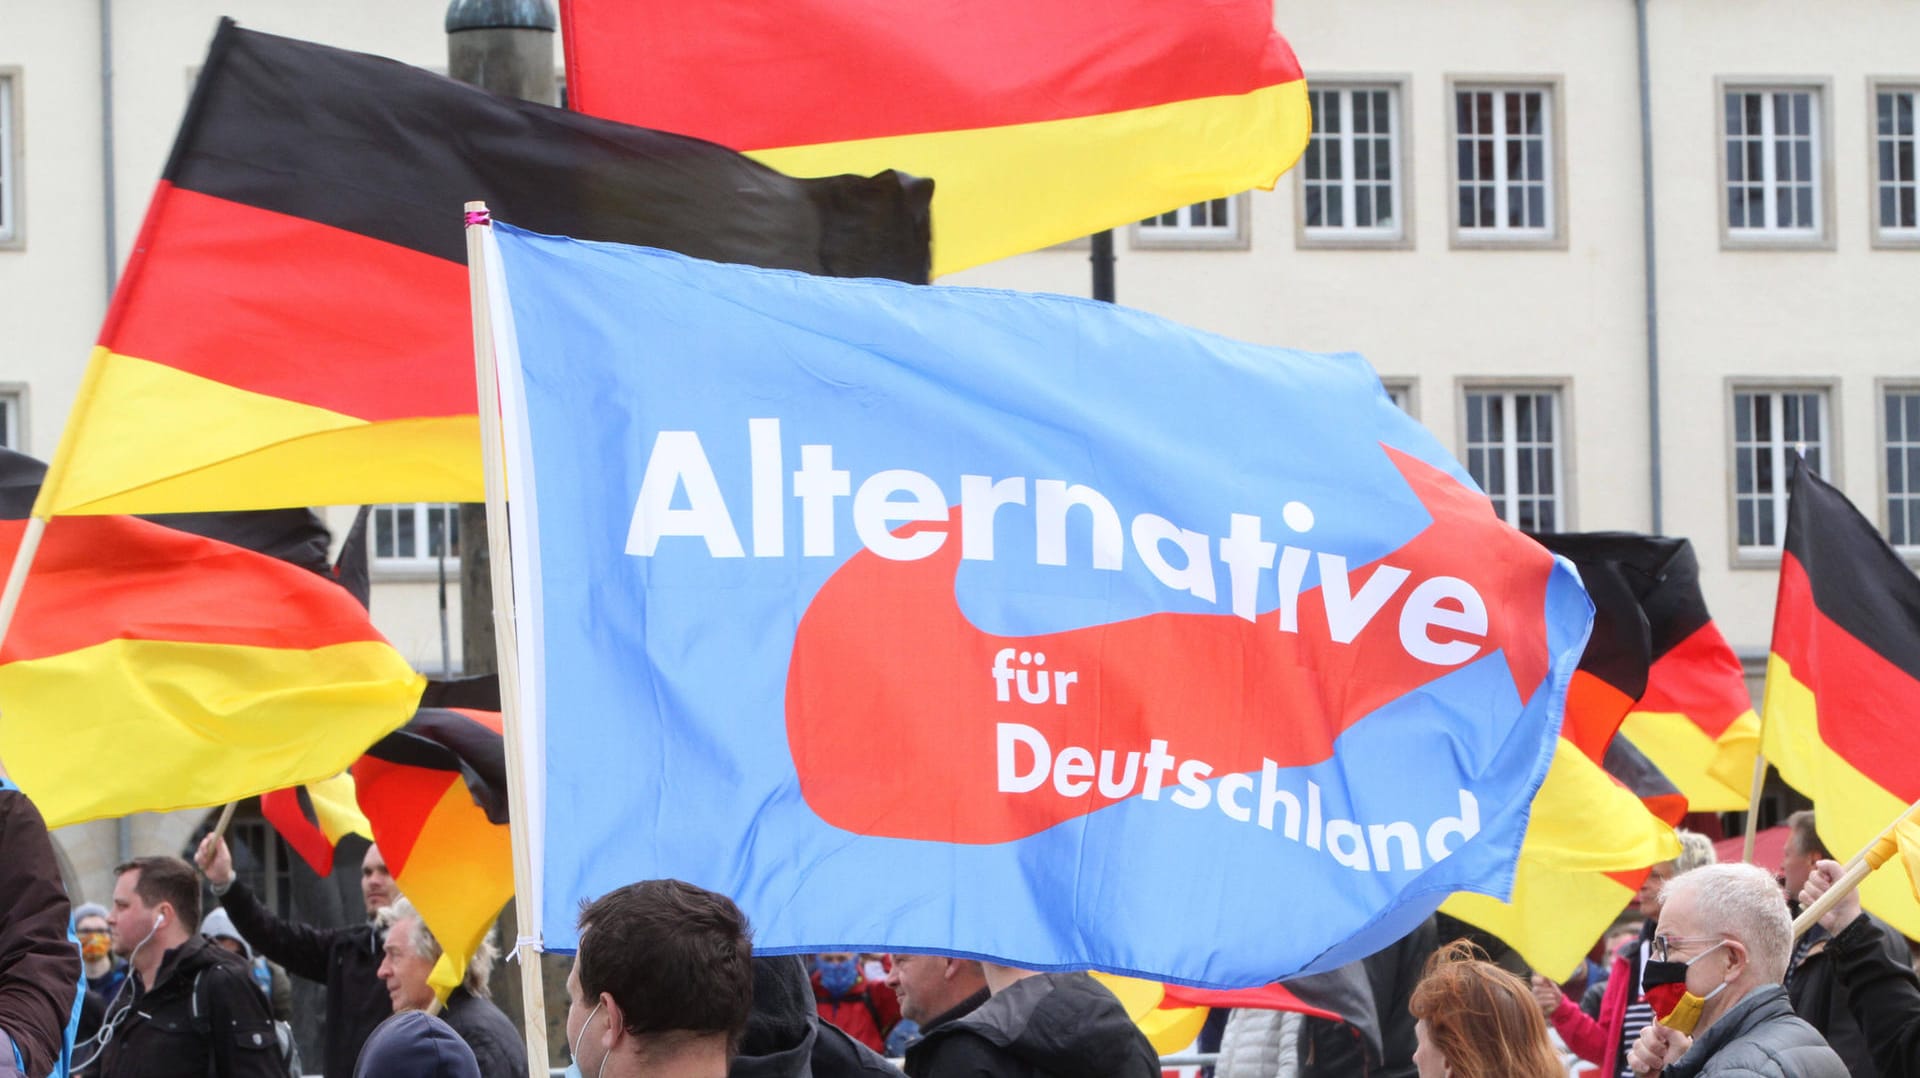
(885, 500)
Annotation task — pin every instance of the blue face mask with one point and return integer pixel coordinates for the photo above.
(839, 978)
(573, 1050)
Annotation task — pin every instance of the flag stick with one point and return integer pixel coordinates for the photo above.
(226, 817)
(1840, 889)
(1753, 800)
(1871, 856)
(526, 947)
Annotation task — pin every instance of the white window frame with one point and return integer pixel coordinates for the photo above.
(1404, 393)
(1183, 233)
(1552, 233)
(1508, 502)
(13, 416)
(1882, 235)
(1779, 458)
(422, 559)
(1902, 438)
(1399, 180)
(12, 201)
(1819, 235)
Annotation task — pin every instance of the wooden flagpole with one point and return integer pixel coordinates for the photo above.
(526, 949)
(1753, 797)
(1871, 856)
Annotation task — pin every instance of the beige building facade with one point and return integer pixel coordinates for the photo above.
(1473, 216)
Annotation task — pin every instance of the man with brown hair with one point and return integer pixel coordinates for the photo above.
(190, 1008)
(1817, 993)
(661, 985)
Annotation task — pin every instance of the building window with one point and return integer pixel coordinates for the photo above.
(9, 163)
(1400, 392)
(415, 534)
(1773, 163)
(263, 862)
(1350, 172)
(1900, 410)
(1770, 427)
(1217, 222)
(1895, 186)
(11, 436)
(1514, 453)
(1503, 163)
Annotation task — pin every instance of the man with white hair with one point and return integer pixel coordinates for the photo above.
(409, 956)
(1714, 977)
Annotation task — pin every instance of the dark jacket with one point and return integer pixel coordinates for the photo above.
(1385, 986)
(1883, 993)
(785, 1037)
(39, 962)
(346, 960)
(929, 1058)
(202, 1017)
(1760, 1036)
(1821, 996)
(496, 1045)
(1051, 1025)
(414, 1044)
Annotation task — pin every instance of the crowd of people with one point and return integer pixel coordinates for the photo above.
(1703, 976)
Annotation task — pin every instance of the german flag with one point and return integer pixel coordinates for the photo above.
(189, 660)
(1620, 571)
(1842, 680)
(435, 792)
(1040, 121)
(293, 326)
(1589, 834)
(1658, 669)
(1695, 719)
(312, 819)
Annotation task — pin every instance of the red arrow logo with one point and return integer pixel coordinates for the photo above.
(906, 721)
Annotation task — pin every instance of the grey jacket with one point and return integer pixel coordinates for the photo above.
(1760, 1036)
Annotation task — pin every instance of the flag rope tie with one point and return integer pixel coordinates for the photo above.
(479, 217)
(521, 941)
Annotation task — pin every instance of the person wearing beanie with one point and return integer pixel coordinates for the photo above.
(105, 970)
(273, 982)
(414, 1044)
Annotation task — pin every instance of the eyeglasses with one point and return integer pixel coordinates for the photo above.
(1663, 945)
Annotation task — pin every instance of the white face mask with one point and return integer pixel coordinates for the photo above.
(573, 1050)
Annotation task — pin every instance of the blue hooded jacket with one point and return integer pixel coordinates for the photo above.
(414, 1044)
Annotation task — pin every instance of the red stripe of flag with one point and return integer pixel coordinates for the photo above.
(1865, 700)
(857, 69)
(205, 306)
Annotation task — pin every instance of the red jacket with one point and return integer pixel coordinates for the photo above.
(1598, 1042)
(866, 1014)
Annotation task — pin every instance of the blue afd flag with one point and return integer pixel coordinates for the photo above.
(1005, 625)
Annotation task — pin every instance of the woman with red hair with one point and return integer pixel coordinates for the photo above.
(1476, 1020)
